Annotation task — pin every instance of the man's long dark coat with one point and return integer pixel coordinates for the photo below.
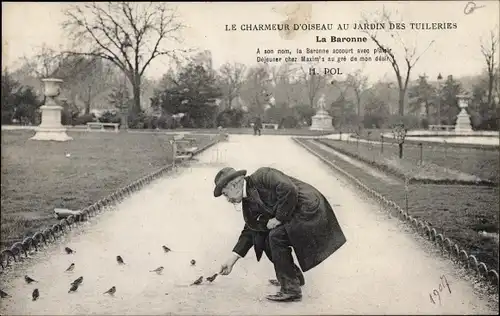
(309, 220)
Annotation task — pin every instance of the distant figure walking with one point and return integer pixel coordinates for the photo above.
(257, 125)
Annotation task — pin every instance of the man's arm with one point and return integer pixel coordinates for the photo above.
(245, 242)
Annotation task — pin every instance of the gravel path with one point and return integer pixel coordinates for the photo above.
(381, 270)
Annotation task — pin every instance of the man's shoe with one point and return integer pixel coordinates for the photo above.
(284, 297)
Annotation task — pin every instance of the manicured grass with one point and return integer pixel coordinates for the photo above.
(439, 163)
(374, 135)
(40, 176)
(460, 212)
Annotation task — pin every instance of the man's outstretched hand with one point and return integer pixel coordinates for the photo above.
(272, 223)
(227, 266)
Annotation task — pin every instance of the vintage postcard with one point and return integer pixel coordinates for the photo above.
(250, 158)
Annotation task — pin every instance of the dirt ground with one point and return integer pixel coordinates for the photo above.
(382, 269)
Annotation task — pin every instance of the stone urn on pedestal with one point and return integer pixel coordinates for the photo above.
(463, 123)
(322, 121)
(50, 127)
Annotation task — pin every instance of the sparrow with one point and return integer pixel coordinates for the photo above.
(193, 262)
(119, 259)
(166, 249)
(36, 294)
(3, 294)
(71, 267)
(212, 278)
(158, 270)
(28, 279)
(198, 281)
(73, 288)
(78, 281)
(111, 291)
(69, 250)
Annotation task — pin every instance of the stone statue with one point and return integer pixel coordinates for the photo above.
(322, 103)
(322, 121)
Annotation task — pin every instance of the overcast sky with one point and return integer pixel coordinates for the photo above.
(26, 26)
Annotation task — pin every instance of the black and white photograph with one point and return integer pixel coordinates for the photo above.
(250, 158)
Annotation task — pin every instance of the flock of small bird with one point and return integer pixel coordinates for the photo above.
(76, 283)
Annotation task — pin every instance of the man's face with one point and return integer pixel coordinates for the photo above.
(233, 191)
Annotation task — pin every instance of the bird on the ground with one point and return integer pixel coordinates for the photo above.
(212, 278)
(73, 288)
(68, 250)
(119, 259)
(28, 279)
(71, 267)
(36, 294)
(198, 281)
(3, 294)
(166, 249)
(78, 281)
(193, 262)
(111, 291)
(158, 270)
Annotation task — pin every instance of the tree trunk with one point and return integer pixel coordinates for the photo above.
(491, 80)
(136, 108)
(401, 102)
(124, 117)
(87, 103)
(400, 150)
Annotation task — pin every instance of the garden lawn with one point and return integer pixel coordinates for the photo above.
(460, 212)
(439, 163)
(38, 176)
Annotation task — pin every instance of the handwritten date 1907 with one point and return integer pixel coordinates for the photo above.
(442, 285)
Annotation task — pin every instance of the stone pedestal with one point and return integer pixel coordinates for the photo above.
(51, 128)
(322, 121)
(463, 123)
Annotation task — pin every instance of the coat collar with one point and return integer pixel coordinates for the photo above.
(244, 188)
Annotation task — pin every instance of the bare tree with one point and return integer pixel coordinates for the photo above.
(230, 79)
(128, 34)
(44, 63)
(358, 83)
(313, 84)
(256, 87)
(93, 79)
(281, 79)
(408, 60)
(488, 50)
(341, 102)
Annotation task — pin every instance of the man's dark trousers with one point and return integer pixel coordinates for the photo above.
(279, 251)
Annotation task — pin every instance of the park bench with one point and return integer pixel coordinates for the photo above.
(270, 125)
(183, 147)
(441, 127)
(101, 126)
(61, 213)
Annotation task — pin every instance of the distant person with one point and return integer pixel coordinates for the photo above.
(280, 213)
(257, 126)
